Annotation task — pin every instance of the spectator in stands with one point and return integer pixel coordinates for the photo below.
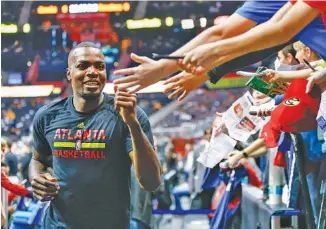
(4, 168)
(24, 163)
(11, 159)
(303, 52)
(18, 46)
(171, 158)
(205, 195)
(6, 183)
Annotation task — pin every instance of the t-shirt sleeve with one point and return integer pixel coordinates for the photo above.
(259, 11)
(321, 5)
(146, 127)
(40, 144)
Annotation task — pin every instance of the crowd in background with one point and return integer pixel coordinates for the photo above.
(177, 151)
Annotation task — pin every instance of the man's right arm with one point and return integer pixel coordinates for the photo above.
(39, 164)
(41, 150)
(43, 183)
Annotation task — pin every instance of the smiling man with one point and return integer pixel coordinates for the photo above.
(90, 140)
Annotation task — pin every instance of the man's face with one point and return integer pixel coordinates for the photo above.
(282, 57)
(286, 59)
(208, 134)
(87, 72)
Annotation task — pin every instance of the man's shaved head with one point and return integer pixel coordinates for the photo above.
(81, 45)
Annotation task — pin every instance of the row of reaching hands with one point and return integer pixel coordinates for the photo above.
(193, 74)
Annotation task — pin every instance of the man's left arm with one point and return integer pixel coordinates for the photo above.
(144, 158)
(139, 140)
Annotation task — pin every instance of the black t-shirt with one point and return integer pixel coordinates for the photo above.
(91, 162)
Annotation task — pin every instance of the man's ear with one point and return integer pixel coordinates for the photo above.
(68, 74)
(290, 57)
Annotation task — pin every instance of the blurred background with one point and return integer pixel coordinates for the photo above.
(36, 37)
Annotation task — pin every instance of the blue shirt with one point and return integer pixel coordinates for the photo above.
(91, 162)
(313, 35)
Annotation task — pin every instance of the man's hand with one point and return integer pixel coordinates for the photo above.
(219, 125)
(272, 76)
(45, 187)
(145, 74)
(200, 60)
(234, 158)
(125, 102)
(318, 77)
(282, 88)
(183, 84)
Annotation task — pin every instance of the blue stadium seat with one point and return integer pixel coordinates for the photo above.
(178, 192)
(30, 218)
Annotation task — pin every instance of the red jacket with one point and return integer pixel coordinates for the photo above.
(13, 188)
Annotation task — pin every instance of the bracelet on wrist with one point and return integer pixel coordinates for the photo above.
(244, 154)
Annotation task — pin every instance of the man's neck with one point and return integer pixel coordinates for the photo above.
(87, 105)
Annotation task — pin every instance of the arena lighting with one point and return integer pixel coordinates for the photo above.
(187, 24)
(57, 90)
(47, 9)
(155, 88)
(169, 21)
(113, 7)
(203, 22)
(26, 28)
(11, 28)
(26, 91)
(83, 8)
(126, 6)
(64, 9)
(144, 23)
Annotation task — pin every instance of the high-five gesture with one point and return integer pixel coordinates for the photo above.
(146, 73)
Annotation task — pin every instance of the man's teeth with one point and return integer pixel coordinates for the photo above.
(91, 83)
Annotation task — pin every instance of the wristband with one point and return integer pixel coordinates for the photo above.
(244, 154)
(214, 76)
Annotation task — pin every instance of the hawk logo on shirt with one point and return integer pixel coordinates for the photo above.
(291, 102)
(78, 145)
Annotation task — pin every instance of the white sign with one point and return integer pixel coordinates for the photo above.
(218, 149)
(240, 124)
